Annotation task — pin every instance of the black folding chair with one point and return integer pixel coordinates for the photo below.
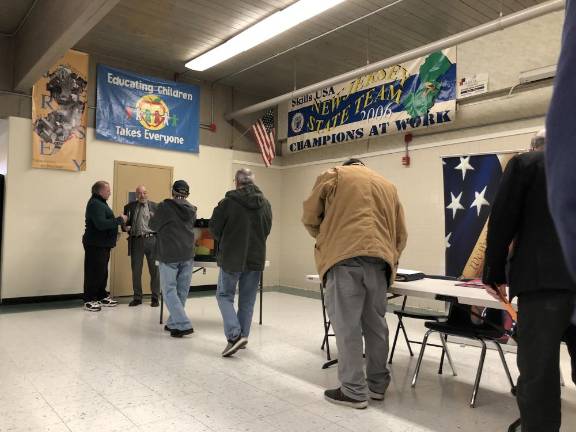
(419, 315)
(459, 324)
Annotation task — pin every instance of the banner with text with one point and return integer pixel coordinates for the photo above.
(146, 111)
(59, 115)
(399, 99)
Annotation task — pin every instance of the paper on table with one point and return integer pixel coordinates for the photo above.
(408, 272)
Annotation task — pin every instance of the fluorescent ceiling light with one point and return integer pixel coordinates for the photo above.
(260, 32)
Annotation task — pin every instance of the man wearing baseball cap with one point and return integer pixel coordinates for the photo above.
(173, 222)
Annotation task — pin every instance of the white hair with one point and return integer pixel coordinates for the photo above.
(539, 140)
(244, 177)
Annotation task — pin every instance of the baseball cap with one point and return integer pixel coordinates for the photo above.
(181, 187)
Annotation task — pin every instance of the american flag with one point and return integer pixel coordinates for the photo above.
(470, 186)
(263, 131)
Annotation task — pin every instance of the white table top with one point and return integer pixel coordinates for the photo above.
(430, 288)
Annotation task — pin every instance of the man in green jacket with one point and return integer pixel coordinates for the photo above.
(99, 237)
(241, 224)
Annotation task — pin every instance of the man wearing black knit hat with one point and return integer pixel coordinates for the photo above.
(173, 222)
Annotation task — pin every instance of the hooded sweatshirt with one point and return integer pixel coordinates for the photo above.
(173, 222)
(241, 224)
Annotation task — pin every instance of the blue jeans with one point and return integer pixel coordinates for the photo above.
(237, 324)
(175, 281)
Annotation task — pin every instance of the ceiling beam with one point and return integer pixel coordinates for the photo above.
(52, 28)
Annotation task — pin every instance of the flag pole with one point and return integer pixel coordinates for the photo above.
(241, 135)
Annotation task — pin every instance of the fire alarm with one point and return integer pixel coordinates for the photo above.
(406, 157)
(213, 127)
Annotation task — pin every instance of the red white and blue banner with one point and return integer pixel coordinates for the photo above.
(399, 99)
(470, 185)
(147, 111)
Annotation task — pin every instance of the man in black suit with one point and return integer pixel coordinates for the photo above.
(520, 221)
(142, 243)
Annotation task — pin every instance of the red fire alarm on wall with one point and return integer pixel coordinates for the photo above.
(406, 157)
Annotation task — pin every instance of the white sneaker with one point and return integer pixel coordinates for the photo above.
(92, 307)
(108, 302)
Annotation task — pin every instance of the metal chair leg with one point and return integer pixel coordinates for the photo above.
(420, 356)
(442, 356)
(406, 338)
(161, 308)
(445, 345)
(478, 374)
(395, 340)
(325, 342)
(506, 368)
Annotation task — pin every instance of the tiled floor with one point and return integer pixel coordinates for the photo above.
(70, 370)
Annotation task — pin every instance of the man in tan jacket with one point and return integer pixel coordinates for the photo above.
(357, 220)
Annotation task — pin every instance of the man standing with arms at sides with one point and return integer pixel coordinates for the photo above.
(241, 224)
(539, 276)
(142, 243)
(357, 220)
(173, 222)
(99, 237)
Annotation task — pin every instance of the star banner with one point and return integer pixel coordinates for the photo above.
(470, 185)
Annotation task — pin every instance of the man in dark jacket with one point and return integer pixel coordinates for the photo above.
(173, 222)
(142, 243)
(538, 275)
(241, 224)
(99, 237)
(561, 149)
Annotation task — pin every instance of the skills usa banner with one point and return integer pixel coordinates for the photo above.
(146, 111)
(399, 99)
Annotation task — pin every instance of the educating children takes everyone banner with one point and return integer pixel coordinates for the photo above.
(399, 99)
(141, 110)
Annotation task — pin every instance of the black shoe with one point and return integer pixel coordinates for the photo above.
(234, 346)
(154, 303)
(336, 396)
(135, 303)
(516, 426)
(179, 333)
(375, 396)
(166, 328)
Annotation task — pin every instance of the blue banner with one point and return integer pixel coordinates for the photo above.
(140, 110)
(398, 99)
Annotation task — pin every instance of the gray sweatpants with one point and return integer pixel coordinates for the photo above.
(356, 304)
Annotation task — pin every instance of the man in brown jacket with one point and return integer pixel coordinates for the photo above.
(357, 220)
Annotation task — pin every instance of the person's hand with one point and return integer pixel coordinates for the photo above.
(496, 291)
(124, 218)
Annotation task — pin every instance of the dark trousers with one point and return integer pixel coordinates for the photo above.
(95, 272)
(144, 247)
(543, 322)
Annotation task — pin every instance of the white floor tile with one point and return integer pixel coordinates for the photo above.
(179, 424)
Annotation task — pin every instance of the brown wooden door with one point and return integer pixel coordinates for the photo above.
(127, 176)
